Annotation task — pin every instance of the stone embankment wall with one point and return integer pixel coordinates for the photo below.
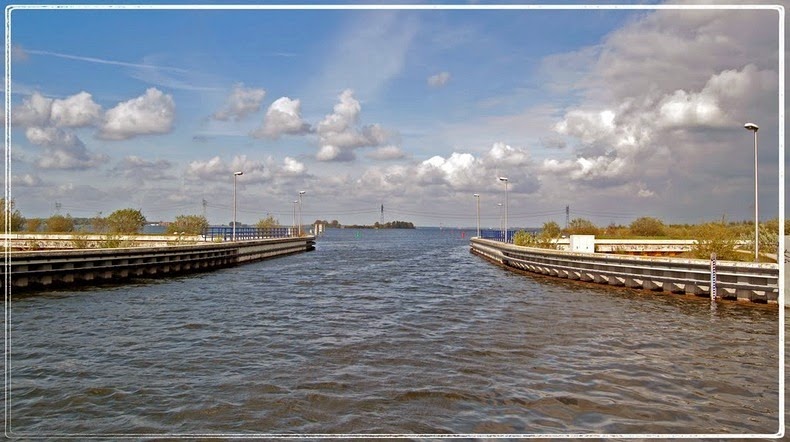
(735, 280)
(47, 268)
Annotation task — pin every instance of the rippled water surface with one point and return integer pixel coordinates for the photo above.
(394, 332)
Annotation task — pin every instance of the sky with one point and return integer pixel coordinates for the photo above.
(616, 114)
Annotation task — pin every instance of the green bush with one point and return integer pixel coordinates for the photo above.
(60, 224)
(581, 226)
(715, 238)
(15, 218)
(126, 221)
(189, 224)
(269, 222)
(647, 226)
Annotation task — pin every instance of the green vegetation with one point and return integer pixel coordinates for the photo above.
(581, 226)
(125, 221)
(544, 239)
(33, 225)
(334, 224)
(387, 225)
(188, 224)
(715, 238)
(269, 222)
(729, 240)
(647, 226)
(59, 224)
(15, 219)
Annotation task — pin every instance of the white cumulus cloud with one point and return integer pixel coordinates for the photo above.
(282, 118)
(34, 111)
(339, 135)
(242, 101)
(78, 110)
(150, 113)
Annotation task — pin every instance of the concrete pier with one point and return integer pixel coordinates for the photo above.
(39, 270)
(742, 281)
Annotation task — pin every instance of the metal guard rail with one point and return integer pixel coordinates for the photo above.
(225, 233)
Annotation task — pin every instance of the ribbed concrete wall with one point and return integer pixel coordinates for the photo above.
(47, 268)
(736, 280)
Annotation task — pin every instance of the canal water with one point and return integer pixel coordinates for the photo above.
(387, 332)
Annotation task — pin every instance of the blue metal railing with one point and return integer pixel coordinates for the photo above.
(497, 234)
(225, 233)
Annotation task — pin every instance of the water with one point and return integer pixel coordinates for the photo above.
(397, 332)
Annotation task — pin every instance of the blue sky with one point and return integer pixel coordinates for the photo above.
(616, 113)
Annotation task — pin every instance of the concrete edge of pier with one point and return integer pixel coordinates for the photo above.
(741, 281)
(45, 269)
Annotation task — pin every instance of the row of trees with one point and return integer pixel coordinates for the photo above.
(723, 238)
(123, 221)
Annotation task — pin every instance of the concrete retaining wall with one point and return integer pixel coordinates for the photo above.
(46, 268)
(736, 280)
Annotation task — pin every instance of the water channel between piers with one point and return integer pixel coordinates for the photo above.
(396, 332)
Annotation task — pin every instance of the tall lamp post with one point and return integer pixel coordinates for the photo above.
(504, 180)
(754, 128)
(301, 192)
(501, 218)
(235, 175)
(477, 197)
(294, 223)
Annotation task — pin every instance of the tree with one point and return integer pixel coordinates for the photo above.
(269, 222)
(647, 226)
(14, 216)
(126, 221)
(189, 224)
(60, 223)
(33, 225)
(581, 226)
(99, 224)
(550, 230)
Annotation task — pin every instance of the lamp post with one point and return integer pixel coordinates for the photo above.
(477, 197)
(504, 180)
(301, 192)
(235, 175)
(501, 219)
(294, 223)
(754, 128)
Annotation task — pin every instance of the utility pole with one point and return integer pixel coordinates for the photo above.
(567, 216)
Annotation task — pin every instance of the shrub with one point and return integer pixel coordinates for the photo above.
(33, 225)
(647, 226)
(189, 224)
(267, 223)
(523, 238)
(550, 230)
(126, 221)
(715, 238)
(581, 226)
(15, 218)
(60, 223)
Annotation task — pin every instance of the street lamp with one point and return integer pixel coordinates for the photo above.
(301, 192)
(754, 128)
(294, 223)
(235, 175)
(477, 197)
(501, 220)
(504, 180)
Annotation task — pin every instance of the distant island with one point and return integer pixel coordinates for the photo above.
(377, 225)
